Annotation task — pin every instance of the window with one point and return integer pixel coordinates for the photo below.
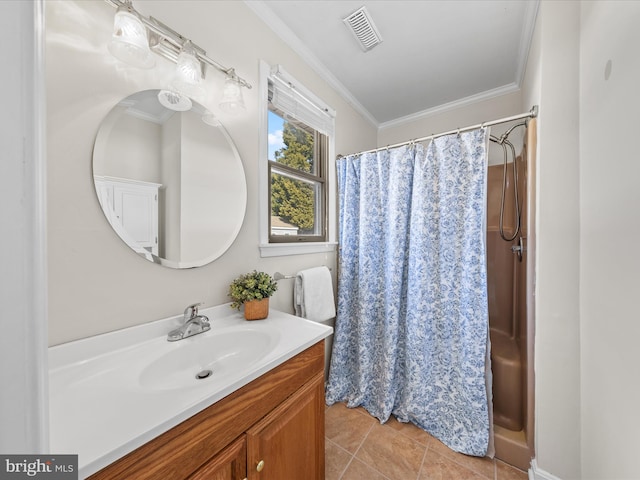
(299, 132)
(297, 193)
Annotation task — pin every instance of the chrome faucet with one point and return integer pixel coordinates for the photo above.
(193, 324)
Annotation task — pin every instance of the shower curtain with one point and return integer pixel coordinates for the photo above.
(412, 323)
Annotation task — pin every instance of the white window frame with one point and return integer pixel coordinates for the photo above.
(280, 249)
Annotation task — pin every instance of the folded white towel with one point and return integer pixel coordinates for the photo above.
(313, 294)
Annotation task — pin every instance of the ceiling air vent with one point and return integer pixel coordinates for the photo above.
(361, 25)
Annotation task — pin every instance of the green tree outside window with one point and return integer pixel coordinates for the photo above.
(293, 200)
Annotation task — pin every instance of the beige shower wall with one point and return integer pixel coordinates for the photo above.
(500, 259)
(96, 284)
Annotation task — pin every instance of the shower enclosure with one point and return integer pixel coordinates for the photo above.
(509, 278)
(391, 283)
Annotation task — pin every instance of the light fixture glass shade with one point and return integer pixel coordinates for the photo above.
(232, 101)
(210, 119)
(129, 42)
(174, 101)
(188, 79)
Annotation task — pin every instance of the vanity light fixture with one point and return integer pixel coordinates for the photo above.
(129, 41)
(188, 79)
(232, 101)
(151, 35)
(174, 100)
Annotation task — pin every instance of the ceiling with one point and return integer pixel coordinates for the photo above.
(434, 53)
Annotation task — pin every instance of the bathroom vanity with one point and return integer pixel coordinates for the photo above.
(273, 428)
(134, 408)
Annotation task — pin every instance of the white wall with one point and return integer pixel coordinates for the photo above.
(24, 409)
(609, 229)
(472, 114)
(171, 193)
(463, 116)
(586, 328)
(128, 147)
(552, 81)
(96, 283)
(205, 190)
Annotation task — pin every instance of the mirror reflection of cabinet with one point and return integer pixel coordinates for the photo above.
(132, 208)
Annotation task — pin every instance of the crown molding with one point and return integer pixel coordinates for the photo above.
(262, 10)
(463, 102)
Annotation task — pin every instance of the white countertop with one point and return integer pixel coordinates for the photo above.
(101, 410)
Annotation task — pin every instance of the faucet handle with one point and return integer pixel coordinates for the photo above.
(191, 311)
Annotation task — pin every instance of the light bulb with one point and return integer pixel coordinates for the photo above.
(174, 101)
(129, 41)
(188, 78)
(210, 119)
(232, 101)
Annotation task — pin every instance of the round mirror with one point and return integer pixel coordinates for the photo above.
(170, 183)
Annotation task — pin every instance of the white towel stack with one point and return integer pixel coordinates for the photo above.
(313, 294)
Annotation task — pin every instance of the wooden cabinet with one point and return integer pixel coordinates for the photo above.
(230, 464)
(277, 418)
(289, 442)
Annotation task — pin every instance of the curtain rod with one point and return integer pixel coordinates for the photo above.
(533, 113)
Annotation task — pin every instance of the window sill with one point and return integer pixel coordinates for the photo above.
(282, 249)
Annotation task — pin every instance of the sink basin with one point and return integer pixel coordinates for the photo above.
(132, 385)
(213, 356)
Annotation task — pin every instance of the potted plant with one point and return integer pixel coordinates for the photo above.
(253, 290)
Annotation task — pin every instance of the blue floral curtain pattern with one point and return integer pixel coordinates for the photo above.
(411, 331)
(374, 192)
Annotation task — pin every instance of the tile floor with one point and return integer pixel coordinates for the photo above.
(357, 447)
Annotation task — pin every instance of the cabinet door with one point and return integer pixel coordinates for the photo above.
(288, 443)
(137, 209)
(229, 464)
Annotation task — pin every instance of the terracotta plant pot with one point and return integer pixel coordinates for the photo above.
(256, 309)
